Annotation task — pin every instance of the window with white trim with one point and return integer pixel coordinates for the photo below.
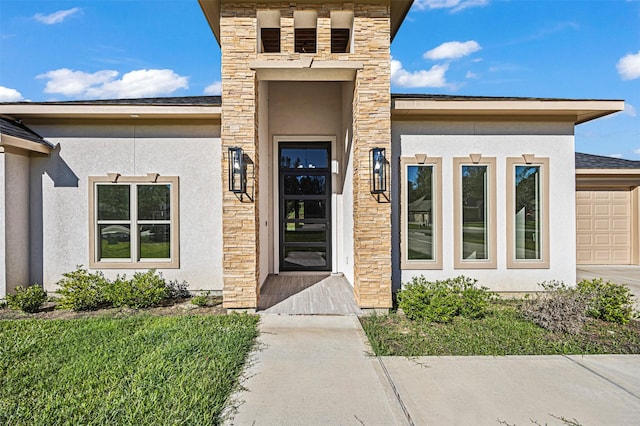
(421, 212)
(527, 212)
(134, 221)
(475, 212)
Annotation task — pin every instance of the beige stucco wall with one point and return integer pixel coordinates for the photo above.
(14, 245)
(449, 139)
(188, 149)
(308, 111)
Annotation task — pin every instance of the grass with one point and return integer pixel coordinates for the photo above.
(136, 370)
(502, 332)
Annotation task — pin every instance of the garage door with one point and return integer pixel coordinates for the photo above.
(603, 225)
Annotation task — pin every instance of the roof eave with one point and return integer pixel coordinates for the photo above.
(23, 144)
(578, 111)
(211, 10)
(111, 111)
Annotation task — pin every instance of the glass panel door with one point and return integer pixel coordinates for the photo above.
(305, 206)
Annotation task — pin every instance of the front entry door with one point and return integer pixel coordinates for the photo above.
(305, 206)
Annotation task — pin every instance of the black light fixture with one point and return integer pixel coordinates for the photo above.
(237, 175)
(378, 165)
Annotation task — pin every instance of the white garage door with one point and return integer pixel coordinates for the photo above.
(603, 221)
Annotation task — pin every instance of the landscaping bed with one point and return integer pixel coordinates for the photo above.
(121, 366)
(456, 317)
(501, 332)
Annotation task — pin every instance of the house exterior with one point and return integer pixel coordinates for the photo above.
(306, 163)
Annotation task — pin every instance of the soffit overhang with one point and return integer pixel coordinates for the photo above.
(576, 111)
(399, 9)
(79, 110)
(607, 179)
(23, 144)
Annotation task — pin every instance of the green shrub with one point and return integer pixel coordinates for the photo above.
(177, 290)
(607, 301)
(441, 301)
(81, 290)
(559, 309)
(143, 290)
(28, 299)
(201, 300)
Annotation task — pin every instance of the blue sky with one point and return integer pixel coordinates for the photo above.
(587, 49)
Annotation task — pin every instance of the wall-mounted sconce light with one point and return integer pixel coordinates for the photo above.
(237, 175)
(378, 165)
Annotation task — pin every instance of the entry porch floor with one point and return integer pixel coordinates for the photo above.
(307, 294)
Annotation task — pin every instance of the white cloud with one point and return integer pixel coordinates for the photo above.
(452, 50)
(10, 95)
(615, 155)
(55, 17)
(454, 5)
(629, 109)
(636, 151)
(434, 77)
(471, 75)
(214, 88)
(629, 66)
(104, 84)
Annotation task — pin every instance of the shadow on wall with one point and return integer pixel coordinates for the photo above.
(62, 176)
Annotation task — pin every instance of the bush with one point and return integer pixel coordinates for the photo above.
(143, 290)
(81, 290)
(176, 290)
(441, 301)
(560, 309)
(607, 301)
(201, 300)
(28, 299)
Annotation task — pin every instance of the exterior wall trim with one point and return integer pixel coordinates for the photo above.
(174, 263)
(544, 263)
(458, 262)
(405, 263)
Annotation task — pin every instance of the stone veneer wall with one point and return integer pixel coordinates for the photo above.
(372, 127)
(240, 218)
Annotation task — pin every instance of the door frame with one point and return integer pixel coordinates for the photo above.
(275, 190)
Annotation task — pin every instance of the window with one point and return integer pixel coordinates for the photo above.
(305, 31)
(474, 212)
(341, 26)
(527, 212)
(134, 221)
(421, 213)
(269, 31)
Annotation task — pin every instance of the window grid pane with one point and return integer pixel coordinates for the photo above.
(118, 207)
(527, 213)
(113, 202)
(115, 241)
(420, 217)
(475, 244)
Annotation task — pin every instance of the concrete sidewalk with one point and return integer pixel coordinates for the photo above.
(317, 370)
(314, 370)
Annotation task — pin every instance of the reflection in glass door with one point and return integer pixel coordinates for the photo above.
(305, 206)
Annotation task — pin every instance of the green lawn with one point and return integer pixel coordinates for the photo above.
(502, 332)
(128, 371)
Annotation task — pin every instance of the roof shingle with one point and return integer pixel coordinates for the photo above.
(18, 130)
(591, 161)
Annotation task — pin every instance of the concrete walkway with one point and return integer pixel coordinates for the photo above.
(316, 370)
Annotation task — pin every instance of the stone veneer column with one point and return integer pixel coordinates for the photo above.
(371, 128)
(240, 218)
